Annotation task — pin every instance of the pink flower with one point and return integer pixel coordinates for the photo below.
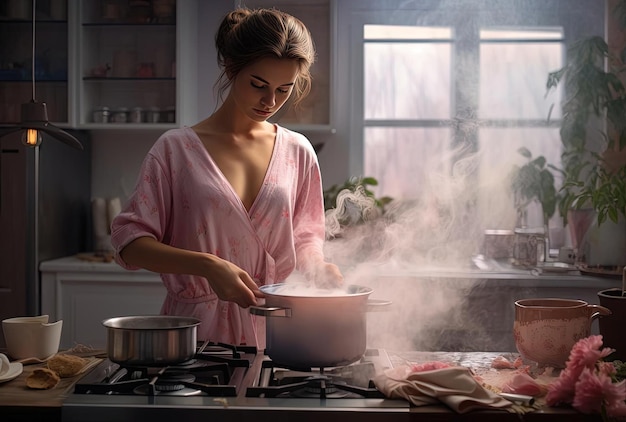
(586, 382)
(562, 390)
(586, 352)
(595, 390)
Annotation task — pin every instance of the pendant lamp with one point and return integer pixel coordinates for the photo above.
(34, 117)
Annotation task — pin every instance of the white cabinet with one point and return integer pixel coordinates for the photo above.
(132, 58)
(83, 294)
(51, 59)
(119, 54)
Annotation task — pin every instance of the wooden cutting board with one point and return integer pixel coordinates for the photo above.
(15, 392)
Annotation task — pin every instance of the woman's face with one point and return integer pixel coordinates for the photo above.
(260, 89)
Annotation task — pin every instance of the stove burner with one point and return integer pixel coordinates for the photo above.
(216, 370)
(352, 381)
(321, 386)
(173, 382)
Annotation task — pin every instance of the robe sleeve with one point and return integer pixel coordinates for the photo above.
(145, 211)
(309, 224)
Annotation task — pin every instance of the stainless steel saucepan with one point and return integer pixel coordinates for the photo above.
(151, 340)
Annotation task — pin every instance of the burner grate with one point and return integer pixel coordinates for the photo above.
(352, 381)
(215, 370)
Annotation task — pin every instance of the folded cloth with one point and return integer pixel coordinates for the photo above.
(454, 386)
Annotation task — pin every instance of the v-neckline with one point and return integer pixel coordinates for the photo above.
(227, 185)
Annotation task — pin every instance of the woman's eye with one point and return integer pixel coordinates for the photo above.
(283, 91)
(257, 86)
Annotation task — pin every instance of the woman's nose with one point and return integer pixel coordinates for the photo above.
(269, 100)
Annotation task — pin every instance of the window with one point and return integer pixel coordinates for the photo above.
(449, 97)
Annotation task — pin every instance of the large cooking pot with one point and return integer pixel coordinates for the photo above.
(151, 340)
(315, 328)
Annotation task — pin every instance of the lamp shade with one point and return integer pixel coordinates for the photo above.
(35, 116)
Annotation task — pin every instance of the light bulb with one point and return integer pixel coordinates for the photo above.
(31, 137)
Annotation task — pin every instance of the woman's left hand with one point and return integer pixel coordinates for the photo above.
(327, 275)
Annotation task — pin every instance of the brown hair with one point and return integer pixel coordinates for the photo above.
(246, 35)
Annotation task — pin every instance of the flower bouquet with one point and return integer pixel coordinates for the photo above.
(589, 384)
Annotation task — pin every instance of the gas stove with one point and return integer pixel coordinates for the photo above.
(225, 382)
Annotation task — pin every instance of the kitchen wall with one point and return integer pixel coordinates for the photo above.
(117, 155)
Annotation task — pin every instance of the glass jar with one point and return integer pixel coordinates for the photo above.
(136, 115)
(119, 115)
(529, 247)
(153, 115)
(101, 114)
(170, 114)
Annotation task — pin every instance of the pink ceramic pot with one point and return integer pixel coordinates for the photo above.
(546, 329)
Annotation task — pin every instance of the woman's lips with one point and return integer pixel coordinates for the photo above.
(262, 112)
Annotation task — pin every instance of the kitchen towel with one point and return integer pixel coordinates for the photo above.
(453, 386)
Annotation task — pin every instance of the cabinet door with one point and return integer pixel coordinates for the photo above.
(85, 301)
(315, 111)
(51, 59)
(127, 64)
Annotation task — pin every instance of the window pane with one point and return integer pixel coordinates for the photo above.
(407, 81)
(498, 155)
(513, 79)
(406, 161)
(530, 34)
(402, 32)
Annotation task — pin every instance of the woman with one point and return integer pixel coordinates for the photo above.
(234, 202)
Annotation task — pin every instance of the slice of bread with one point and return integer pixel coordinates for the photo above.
(66, 365)
(42, 379)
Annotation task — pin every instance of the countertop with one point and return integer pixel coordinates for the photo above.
(503, 272)
(18, 403)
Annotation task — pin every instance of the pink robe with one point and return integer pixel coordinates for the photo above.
(183, 199)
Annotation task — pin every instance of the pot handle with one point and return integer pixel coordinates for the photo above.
(598, 311)
(270, 311)
(377, 305)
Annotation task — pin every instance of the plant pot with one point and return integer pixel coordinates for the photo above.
(611, 326)
(604, 245)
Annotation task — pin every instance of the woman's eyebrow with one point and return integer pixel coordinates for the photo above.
(267, 83)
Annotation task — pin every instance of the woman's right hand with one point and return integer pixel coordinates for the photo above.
(233, 284)
(226, 279)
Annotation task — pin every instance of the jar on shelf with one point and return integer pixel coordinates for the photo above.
(101, 114)
(170, 114)
(153, 115)
(136, 115)
(119, 115)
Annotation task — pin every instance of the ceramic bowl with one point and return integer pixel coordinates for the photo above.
(32, 337)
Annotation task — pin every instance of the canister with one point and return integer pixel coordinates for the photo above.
(136, 115)
(529, 246)
(119, 115)
(153, 115)
(101, 114)
(170, 114)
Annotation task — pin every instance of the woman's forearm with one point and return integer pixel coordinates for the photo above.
(148, 253)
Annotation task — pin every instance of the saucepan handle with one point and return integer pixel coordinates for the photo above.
(378, 305)
(273, 311)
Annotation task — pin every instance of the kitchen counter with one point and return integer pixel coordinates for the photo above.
(504, 272)
(84, 293)
(18, 403)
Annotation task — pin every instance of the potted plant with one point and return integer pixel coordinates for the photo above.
(593, 133)
(534, 181)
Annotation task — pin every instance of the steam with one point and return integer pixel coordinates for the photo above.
(405, 254)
